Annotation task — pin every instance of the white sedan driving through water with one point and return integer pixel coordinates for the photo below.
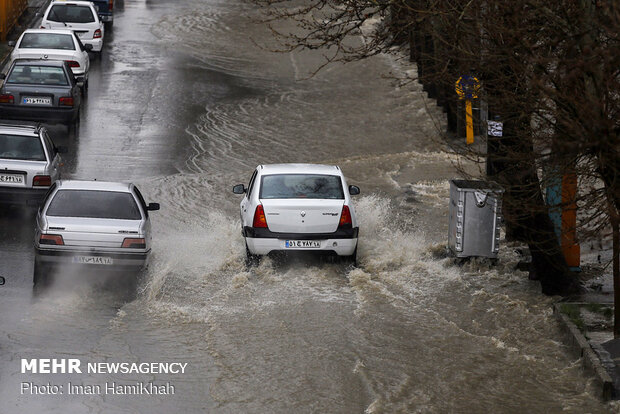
(298, 207)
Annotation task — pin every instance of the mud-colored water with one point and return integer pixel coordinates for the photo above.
(184, 104)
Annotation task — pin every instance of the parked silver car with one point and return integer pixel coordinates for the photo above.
(101, 225)
(29, 164)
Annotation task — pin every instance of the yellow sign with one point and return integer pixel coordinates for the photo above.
(467, 88)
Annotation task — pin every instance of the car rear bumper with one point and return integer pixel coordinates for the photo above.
(22, 196)
(27, 113)
(79, 72)
(120, 261)
(263, 233)
(262, 241)
(97, 44)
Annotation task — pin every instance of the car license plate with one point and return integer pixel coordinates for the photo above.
(303, 244)
(12, 178)
(98, 260)
(37, 101)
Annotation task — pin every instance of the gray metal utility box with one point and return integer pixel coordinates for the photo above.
(475, 215)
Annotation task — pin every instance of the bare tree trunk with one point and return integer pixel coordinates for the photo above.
(527, 217)
(615, 222)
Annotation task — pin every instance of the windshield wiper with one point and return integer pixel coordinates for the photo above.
(58, 17)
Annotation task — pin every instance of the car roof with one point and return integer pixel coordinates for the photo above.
(299, 169)
(50, 31)
(94, 185)
(20, 129)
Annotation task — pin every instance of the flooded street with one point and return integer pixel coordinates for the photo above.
(184, 104)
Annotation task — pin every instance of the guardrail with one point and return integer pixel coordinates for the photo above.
(10, 10)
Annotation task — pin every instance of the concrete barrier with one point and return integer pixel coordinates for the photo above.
(590, 360)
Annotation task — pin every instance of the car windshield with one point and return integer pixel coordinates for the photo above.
(18, 147)
(71, 13)
(301, 186)
(47, 41)
(38, 75)
(94, 204)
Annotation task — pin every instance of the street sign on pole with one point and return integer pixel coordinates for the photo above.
(467, 88)
(495, 128)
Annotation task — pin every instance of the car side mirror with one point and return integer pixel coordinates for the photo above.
(2, 281)
(354, 190)
(239, 189)
(153, 207)
(11, 43)
(88, 47)
(61, 149)
(2, 76)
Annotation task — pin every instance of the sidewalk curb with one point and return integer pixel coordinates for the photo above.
(4, 59)
(590, 360)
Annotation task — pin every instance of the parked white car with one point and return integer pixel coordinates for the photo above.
(298, 207)
(29, 164)
(80, 17)
(101, 225)
(54, 45)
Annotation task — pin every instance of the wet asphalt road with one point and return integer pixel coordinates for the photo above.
(185, 105)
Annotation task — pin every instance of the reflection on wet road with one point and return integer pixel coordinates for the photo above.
(184, 104)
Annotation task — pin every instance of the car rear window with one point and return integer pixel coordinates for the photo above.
(71, 13)
(38, 75)
(301, 186)
(47, 41)
(16, 147)
(94, 204)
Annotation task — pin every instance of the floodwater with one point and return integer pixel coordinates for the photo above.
(185, 101)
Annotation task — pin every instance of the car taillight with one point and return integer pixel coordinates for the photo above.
(73, 63)
(97, 34)
(134, 243)
(66, 101)
(111, 5)
(259, 217)
(41, 181)
(54, 239)
(345, 217)
(7, 99)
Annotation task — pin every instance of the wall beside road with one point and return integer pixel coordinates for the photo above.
(10, 10)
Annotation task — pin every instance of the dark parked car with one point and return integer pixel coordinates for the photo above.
(37, 90)
(105, 10)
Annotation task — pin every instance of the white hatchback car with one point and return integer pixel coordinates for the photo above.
(80, 17)
(298, 207)
(54, 45)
